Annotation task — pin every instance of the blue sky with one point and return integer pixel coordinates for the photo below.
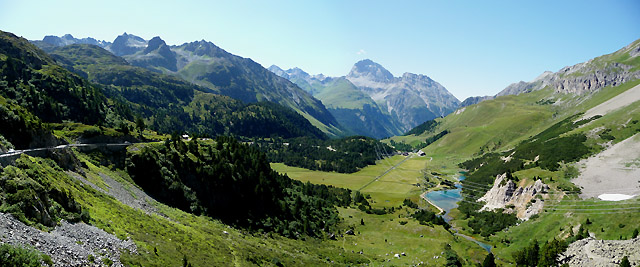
(470, 47)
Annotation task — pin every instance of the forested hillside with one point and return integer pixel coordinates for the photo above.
(33, 80)
(170, 104)
(233, 182)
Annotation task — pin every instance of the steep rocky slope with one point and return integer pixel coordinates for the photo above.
(68, 244)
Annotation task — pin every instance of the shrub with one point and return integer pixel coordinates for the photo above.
(13, 256)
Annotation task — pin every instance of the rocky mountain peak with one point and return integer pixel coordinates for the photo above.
(68, 39)
(203, 47)
(278, 71)
(154, 44)
(127, 44)
(370, 70)
(298, 72)
(542, 76)
(407, 76)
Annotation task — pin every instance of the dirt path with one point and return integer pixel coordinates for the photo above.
(612, 171)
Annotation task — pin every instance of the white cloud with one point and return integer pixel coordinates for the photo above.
(361, 52)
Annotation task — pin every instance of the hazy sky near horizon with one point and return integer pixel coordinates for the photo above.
(470, 47)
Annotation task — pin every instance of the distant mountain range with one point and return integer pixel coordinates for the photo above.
(209, 66)
(371, 101)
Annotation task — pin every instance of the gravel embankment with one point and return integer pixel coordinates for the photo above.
(600, 253)
(68, 244)
(612, 171)
(128, 194)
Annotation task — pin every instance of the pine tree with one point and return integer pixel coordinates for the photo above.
(489, 261)
(625, 262)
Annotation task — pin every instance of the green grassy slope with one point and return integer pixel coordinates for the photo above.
(488, 126)
(340, 93)
(164, 239)
(356, 111)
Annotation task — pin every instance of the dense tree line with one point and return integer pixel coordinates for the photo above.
(425, 217)
(545, 256)
(345, 155)
(487, 223)
(406, 147)
(424, 127)
(234, 182)
(21, 128)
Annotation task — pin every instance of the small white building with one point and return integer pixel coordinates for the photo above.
(421, 153)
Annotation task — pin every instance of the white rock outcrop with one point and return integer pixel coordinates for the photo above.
(505, 193)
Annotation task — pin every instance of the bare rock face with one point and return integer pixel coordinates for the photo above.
(580, 79)
(592, 252)
(505, 193)
(586, 77)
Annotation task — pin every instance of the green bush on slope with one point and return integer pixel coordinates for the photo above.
(33, 196)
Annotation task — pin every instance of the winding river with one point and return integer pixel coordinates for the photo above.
(447, 200)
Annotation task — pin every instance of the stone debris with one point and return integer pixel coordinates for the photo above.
(68, 244)
(601, 253)
(128, 194)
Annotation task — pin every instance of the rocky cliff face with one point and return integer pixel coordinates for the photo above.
(68, 39)
(127, 44)
(156, 53)
(472, 100)
(584, 78)
(505, 193)
(587, 77)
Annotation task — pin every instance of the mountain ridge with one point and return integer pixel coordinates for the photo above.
(587, 77)
(207, 65)
(402, 102)
(406, 97)
(353, 109)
